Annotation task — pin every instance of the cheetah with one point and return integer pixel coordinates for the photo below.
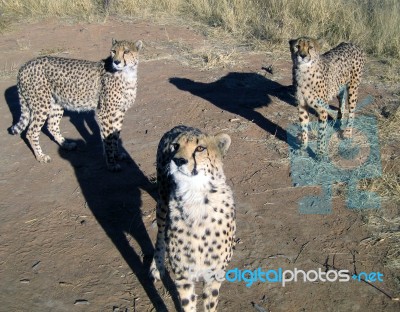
(195, 212)
(318, 78)
(47, 85)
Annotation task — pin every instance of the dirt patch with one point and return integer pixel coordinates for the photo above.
(75, 237)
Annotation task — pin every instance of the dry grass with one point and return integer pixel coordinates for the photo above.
(208, 58)
(372, 24)
(385, 230)
(388, 185)
(78, 9)
(8, 71)
(384, 223)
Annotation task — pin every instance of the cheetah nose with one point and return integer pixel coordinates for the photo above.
(117, 62)
(303, 54)
(180, 161)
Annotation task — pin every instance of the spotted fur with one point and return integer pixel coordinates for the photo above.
(195, 212)
(47, 85)
(318, 78)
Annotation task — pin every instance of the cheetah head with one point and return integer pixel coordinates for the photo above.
(198, 156)
(125, 54)
(304, 50)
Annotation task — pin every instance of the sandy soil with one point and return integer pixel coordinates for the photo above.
(74, 237)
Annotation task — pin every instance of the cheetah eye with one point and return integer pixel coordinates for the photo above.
(200, 148)
(310, 47)
(175, 147)
(126, 51)
(113, 51)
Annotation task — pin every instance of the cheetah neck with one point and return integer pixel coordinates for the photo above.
(305, 71)
(193, 193)
(129, 73)
(192, 189)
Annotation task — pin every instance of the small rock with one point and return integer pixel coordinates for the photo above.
(268, 69)
(81, 301)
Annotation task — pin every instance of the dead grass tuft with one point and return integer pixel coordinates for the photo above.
(388, 185)
(372, 24)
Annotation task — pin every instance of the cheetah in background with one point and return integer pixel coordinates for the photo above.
(48, 85)
(318, 78)
(195, 212)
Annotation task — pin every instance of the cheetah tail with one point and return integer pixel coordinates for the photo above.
(23, 120)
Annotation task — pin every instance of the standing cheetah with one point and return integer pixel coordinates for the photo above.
(318, 78)
(47, 85)
(195, 212)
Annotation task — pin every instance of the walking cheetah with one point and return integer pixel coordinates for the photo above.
(195, 212)
(47, 85)
(318, 78)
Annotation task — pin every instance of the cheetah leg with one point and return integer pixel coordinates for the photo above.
(37, 122)
(187, 294)
(53, 124)
(109, 136)
(342, 97)
(322, 120)
(117, 125)
(353, 92)
(304, 119)
(210, 295)
(157, 268)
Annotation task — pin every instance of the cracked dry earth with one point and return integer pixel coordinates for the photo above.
(75, 237)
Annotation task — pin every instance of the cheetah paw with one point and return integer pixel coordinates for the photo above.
(122, 156)
(156, 273)
(114, 167)
(43, 158)
(346, 134)
(322, 157)
(69, 146)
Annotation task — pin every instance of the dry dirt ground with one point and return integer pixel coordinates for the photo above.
(74, 237)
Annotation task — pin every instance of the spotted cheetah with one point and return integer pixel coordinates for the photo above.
(47, 85)
(318, 78)
(195, 212)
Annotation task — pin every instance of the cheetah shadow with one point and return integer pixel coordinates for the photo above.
(242, 94)
(113, 198)
(115, 201)
(11, 97)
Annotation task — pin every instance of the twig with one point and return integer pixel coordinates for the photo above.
(301, 250)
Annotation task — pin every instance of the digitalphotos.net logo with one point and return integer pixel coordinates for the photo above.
(249, 277)
(348, 161)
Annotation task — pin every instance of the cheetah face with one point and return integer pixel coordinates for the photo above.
(304, 50)
(125, 54)
(197, 156)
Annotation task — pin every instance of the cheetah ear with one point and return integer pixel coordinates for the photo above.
(113, 41)
(223, 142)
(138, 45)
